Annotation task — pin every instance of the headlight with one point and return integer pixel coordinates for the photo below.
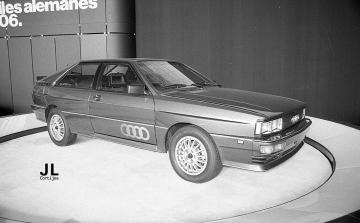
(269, 127)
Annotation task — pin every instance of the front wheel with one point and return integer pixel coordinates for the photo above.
(193, 155)
(59, 130)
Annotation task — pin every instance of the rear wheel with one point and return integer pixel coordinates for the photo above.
(59, 130)
(193, 155)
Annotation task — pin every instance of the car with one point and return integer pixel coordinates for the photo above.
(166, 106)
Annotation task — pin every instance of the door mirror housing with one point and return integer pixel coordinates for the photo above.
(136, 89)
(220, 85)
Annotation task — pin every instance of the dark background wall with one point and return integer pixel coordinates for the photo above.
(50, 41)
(304, 49)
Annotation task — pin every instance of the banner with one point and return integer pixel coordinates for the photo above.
(9, 11)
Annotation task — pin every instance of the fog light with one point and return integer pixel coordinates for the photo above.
(266, 149)
(279, 147)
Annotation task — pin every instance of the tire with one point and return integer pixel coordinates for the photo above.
(59, 130)
(199, 165)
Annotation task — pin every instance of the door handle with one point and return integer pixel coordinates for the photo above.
(97, 97)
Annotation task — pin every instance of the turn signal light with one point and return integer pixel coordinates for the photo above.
(303, 113)
(266, 149)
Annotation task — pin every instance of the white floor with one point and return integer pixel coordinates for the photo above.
(102, 181)
(338, 197)
(17, 123)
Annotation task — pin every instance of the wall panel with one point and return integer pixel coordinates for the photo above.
(43, 55)
(120, 45)
(196, 24)
(2, 32)
(93, 20)
(93, 46)
(21, 73)
(67, 51)
(120, 16)
(6, 106)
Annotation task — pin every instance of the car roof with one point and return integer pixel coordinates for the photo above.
(115, 60)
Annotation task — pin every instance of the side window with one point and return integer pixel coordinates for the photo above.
(81, 76)
(116, 77)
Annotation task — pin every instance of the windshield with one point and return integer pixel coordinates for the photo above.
(169, 75)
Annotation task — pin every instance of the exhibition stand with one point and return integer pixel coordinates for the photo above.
(102, 181)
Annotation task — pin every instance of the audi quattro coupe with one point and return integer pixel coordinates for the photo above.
(166, 106)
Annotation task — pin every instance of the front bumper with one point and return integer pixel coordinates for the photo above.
(249, 156)
(292, 139)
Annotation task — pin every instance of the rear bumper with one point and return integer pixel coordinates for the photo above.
(39, 112)
(247, 154)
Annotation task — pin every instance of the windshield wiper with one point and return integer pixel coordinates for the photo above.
(173, 86)
(199, 85)
(203, 84)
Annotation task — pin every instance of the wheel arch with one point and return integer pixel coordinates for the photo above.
(48, 109)
(171, 131)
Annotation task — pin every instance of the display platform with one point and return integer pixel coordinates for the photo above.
(101, 181)
(11, 125)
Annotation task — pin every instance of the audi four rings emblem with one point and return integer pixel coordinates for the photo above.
(134, 131)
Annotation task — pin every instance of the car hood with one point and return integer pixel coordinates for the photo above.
(264, 104)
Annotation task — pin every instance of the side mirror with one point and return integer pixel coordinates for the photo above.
(220, 85)
(136, 89)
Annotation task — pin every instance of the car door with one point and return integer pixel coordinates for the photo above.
(71, 96)
(115, 112)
